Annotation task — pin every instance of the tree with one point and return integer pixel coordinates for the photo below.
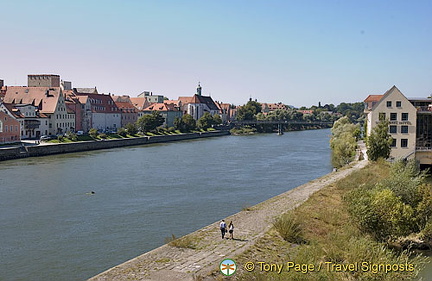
(379, 141)
(248, 111)
(132, 128)
(185, 124)
(206, 121)
(149, 122)
(217, 119)
(343, 142)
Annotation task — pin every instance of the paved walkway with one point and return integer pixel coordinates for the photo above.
(171, 263)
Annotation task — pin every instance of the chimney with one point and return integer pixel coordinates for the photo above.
(1, 83)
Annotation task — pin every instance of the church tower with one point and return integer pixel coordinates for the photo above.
(199, 89)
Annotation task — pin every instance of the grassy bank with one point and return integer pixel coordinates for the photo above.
(321, 232)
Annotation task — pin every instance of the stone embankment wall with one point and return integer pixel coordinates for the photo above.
(42, 150)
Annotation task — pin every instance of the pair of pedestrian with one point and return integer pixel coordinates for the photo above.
(223, 229)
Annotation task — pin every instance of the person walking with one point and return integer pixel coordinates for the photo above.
(231, 230)
(223, 228)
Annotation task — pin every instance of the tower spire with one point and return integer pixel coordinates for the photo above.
(199, 89)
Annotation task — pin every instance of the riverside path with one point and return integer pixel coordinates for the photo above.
(172, 263)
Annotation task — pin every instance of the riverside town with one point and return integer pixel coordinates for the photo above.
(368, 219)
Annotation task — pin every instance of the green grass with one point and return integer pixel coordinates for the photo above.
(332, 236)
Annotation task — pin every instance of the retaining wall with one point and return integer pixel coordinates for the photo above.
(42, 150)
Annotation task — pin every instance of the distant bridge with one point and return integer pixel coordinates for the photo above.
(277, 122)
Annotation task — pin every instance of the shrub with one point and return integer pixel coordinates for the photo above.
(289, 228)
(103, 136)
(397, 206)
(72, 136)
(93, 133)
(122, 132)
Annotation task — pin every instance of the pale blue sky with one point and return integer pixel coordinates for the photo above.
(295, 52)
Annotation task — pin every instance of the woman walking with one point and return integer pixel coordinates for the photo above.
(231, 230)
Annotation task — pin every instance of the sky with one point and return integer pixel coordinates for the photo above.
(295, 52)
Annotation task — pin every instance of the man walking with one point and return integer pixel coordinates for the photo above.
(223, 228)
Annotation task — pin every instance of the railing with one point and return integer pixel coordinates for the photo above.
(280, 122)
(424, 109)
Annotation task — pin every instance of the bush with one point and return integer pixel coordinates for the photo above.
(93, 133)
(72, 136)
(132, 128)
(397, 206)
(289, 228)
(103, 136)
(122, 132)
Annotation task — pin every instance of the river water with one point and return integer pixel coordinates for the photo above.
(51, 228)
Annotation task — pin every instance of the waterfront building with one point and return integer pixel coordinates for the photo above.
(32, 122)
(168, 111)
(129, 113)
(99, 110)
(198, 104)
(49, 101)
(9, 126)
(410, 123)
(226, 111)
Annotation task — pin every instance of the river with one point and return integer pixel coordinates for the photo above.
(53, 228)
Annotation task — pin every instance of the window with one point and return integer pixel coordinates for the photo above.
(398, 103)
(389, 103)
(404, 142)
(404, 129)
(382, 116)
(404, 116)
(393, 116)
(393, 129)
(393, 144)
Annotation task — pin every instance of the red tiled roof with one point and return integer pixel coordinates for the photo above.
(45, 98)
(161, 107)
(373, 98)
(140, 102)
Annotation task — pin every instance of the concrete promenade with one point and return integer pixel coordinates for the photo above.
(172, 263)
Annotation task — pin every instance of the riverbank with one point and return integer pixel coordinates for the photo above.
(44, 149)
(202, 251)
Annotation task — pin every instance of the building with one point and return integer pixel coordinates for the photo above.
(168, 111)
(198, 104)
(9, 126)
(99, 111)
(129, 113)
(227, 111)
(47, 101)
(269, 107)
(408, 123)
(43, 80)
(152, 98)
(32, 122)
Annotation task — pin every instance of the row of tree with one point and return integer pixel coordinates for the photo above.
(252, 110)
(154, 121)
